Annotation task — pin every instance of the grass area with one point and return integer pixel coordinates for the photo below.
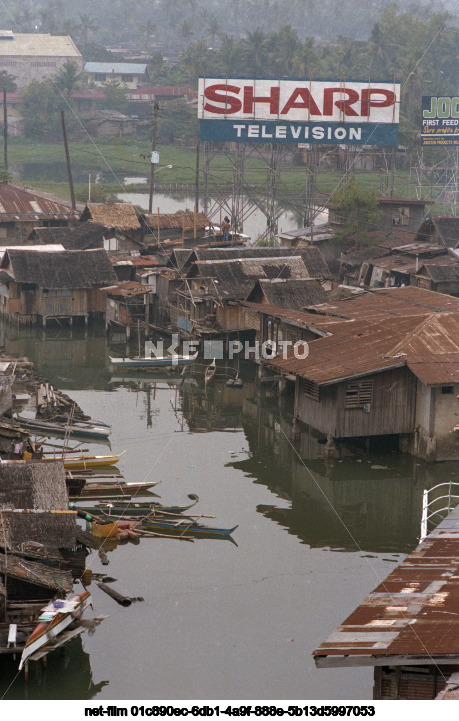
(42, 165)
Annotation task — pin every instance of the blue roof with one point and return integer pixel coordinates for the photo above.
(118, 68)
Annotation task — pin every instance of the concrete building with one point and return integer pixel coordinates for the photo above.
(128, 75)
(33, 56)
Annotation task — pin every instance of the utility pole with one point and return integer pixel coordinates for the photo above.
(196, 180)
(153, 150)
(5, 131)
(67, 156)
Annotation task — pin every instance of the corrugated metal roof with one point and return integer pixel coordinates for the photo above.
(117, 68)
(428, 344)
(20, 204)
(409, 618)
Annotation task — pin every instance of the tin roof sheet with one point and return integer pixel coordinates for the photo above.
(19, 204)
(411, 617)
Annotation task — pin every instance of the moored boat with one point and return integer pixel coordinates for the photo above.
(87, 461)
(54, 618)
(153, 362)
(185, 528)
(120, 509)
(83, 429)
(114, 488)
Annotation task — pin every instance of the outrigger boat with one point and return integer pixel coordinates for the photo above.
(83, 429)
(54, 618)
(153, 362)
(185, 528)
(87, 461)
(122, 509)
(98, 490)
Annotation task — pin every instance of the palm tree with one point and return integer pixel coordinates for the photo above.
(87, 26)
(186, 32)
(228, 56)
(286, 44)
(213, 28)
(67, 78)
(255, 52)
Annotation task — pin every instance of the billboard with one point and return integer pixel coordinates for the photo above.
(440, 120)
(298, 111)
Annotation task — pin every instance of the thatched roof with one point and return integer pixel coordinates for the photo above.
(119, 216)
(316, 266)
(440, 273)
(292, 293)
(175, 221)
(81, 237)
(33, 485)
(234, 279)
(36, 573)
(56, 530)
(67, 269)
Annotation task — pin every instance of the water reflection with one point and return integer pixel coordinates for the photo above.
(287, 500)
(68, 675)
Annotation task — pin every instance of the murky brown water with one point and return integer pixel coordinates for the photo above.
(219, 620)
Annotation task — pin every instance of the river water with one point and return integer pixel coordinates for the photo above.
(223, 620)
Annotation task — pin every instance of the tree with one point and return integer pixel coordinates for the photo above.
(41, 106)
(255, 52)
(87, 26)
(67, 78)
(358, 212)
(7, 82)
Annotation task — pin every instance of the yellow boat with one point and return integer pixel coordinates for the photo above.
(84, 461)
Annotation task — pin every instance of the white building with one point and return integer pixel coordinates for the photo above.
(30, 56)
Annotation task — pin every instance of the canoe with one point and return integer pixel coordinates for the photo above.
(122, 509)
(82, 429)
(88, 461)
(118, 488)
(54, 618)
(154, 362)
(185, 528)
(210, 372)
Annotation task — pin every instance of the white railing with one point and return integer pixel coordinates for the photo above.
(452, 499)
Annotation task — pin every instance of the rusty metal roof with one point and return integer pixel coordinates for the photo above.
(20, 204)
(428, 345)
(409, 618)
(391, 302)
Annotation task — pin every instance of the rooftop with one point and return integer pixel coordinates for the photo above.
(80, 237)
(291, 293)
(233, 279)
(67, 269)
(40, 45)
(411, 617)
(120, 216)
(20, 204)
(116, 68)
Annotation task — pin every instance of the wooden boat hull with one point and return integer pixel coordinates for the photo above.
(186, 529)
(52, 429)
(160, 362)
(126, 510)
(46, 631)
(83, 462)
(104, 530)
(118, 489)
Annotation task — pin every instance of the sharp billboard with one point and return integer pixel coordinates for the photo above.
(295, 111)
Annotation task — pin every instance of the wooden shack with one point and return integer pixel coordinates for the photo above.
(22, 209)
(122, 226)
(389, 367)
(41, 286)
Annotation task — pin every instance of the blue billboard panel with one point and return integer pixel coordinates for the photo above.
(265, 131)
